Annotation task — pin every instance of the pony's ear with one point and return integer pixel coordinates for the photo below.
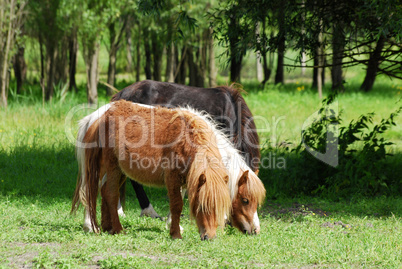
(201, 180)
(243, 179)
(256, 172)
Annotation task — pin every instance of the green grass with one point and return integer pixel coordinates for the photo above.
(38, 175)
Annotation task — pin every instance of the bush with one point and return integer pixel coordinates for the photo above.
(363, 164)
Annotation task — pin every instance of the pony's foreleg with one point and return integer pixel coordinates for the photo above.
(176, 203)
(110, 201)
(169, 217)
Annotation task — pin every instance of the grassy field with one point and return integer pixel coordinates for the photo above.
(38, 174)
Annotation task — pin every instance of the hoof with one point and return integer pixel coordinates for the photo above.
(169, 222)
(176, 236)
(150, 212)
(113, 232)
(88, 229)
(121, 212)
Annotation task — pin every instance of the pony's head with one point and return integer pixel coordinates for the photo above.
(250, 194)
(208, 218)
(207, 181)
(208, 194)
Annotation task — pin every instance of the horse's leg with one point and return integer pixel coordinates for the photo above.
(110, 200)
(146, 207)
(169, 217)
(106, 221)
(87, 223)
(176, 203)
(122, 200)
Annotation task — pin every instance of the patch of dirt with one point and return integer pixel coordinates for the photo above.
(296, 209)
(25, 259)
(336, 223)
(125, 255)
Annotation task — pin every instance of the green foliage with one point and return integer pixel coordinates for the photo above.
(360, 150)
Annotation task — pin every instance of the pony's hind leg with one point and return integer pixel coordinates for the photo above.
(110, 200)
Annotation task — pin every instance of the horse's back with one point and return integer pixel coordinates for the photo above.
(224, 104)
(213, 100)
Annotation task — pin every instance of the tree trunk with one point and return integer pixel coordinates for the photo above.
(62, 66)
(6, 43)
(320, 55)
(92, 73)
(148, 73)
(181, 66)
(267, 69)
(111, 71)
(129, 47)
(20, 68)
(170, 59)
(315, 72)
(211, 62)
(51, 56)
(138, 64)
(279, 76)
(3, 83)
(192, 74)
(42, 68)
(235, 69)
(372, 66)
(236, 57)
(72, 63)
(202, 52)
(157, 56)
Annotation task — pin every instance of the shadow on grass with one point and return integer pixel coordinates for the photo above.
(307, 186)
(49, 173)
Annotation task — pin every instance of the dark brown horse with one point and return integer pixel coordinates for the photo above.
(225, 104)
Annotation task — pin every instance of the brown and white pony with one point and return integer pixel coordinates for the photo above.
(126, 135)
(225, 105)
(246, 189)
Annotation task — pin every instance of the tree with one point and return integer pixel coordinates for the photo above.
(118, 14)
(92, 25)
(11, 21)
(232, 30)
(45, 25)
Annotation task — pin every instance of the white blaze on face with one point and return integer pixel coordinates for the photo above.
(256, 222)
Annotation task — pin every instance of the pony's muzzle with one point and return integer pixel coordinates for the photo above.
(206, 237)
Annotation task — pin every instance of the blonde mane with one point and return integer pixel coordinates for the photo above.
(233, 161)
(207, 162)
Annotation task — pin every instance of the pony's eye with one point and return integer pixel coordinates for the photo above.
(245, 201)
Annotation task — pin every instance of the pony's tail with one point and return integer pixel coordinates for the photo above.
(93, 156)
(80, 188)
(207, 184)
